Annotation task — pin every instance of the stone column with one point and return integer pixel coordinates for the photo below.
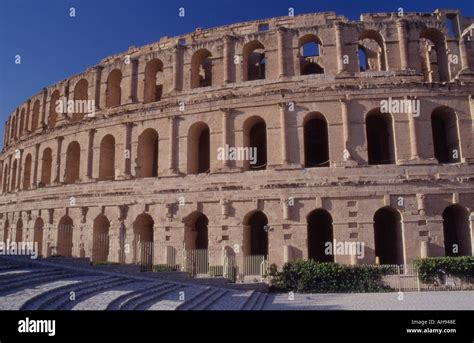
(127, 153)
(346, 126)
(19, 170)
(227, 59)
(43, 118)
(281, 51)
(90, 155)
(283, 132)
(225, 133)
(171, 145)
(35, 171)
(463, 54)
(176, 68)
(413, 143)
(57, 177)
(339, 47)
(402, 43)
(96, 90)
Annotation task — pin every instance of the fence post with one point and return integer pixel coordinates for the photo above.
(399, 281)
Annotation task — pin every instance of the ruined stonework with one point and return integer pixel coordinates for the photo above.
(142, 164)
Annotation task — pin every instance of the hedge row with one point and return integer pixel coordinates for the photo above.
(311, 276)
(432, 269)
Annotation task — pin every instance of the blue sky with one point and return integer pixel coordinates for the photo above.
(54, 46)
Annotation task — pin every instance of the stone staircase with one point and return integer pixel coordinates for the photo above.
(42, 286)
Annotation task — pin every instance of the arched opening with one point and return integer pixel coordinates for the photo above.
(107, 158)
(201, 69)
(254, 61)
(46, 163)
(320, 232)
(27, 173)
(5, 179)
(457, 231)
(256, 234)
(38, 235)
(371, 51)
(148, 153)
(316, 146)
(255, 138)
(445, 135)
(388, 236)
(53, 114)
(196, 234)
(100, 238)
(65, 227)
(80, 99)
(35, 116)
(379, 133)
(143, 238)
(73, 158)
(6, 227)
(434, 60)
(114, 90)
(19, 231)
(13, 177)
(310, 51)
(199, 149)
(153, 81)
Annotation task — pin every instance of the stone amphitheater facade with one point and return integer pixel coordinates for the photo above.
(142, 164)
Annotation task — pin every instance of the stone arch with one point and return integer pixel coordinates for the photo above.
(113, 96)
(13, 177)
(35, 116)
(65, 234)
(73, 159)
(372, 44)
(81, 97)
(100, 238)
(316, 141)
(107, 158)
(5, 178)
(255, 137)
(434, 60)
(6, 228)
(143, 237)
(147, 153)
(19, 231)
(199, 153)
(320, 231)
(310, 51)
(201, 69)
(46, 165)
(388, 236)
(27, 172)
(457, 231)
(444, 126)
(380, 139)
(53, 114)
(255, 240)
(196, 231)
(153, 89)
(254, 61)
(38, 234)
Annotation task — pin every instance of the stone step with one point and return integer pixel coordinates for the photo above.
(250, 302)
(259, 305)
(205, 300)
(145, 300)
(7, 278)
(232, 300)
(194, 299)
(62, 300)
(32, 281)
(115, 304)
(37, 302)
(67, 305)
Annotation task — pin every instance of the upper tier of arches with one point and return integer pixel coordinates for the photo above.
(288, 47)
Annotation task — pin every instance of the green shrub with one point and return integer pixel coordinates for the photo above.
(432, 268)
(311, 276)
(104, 263)
(166, 268)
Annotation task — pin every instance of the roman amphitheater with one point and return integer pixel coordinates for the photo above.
(137, 176)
